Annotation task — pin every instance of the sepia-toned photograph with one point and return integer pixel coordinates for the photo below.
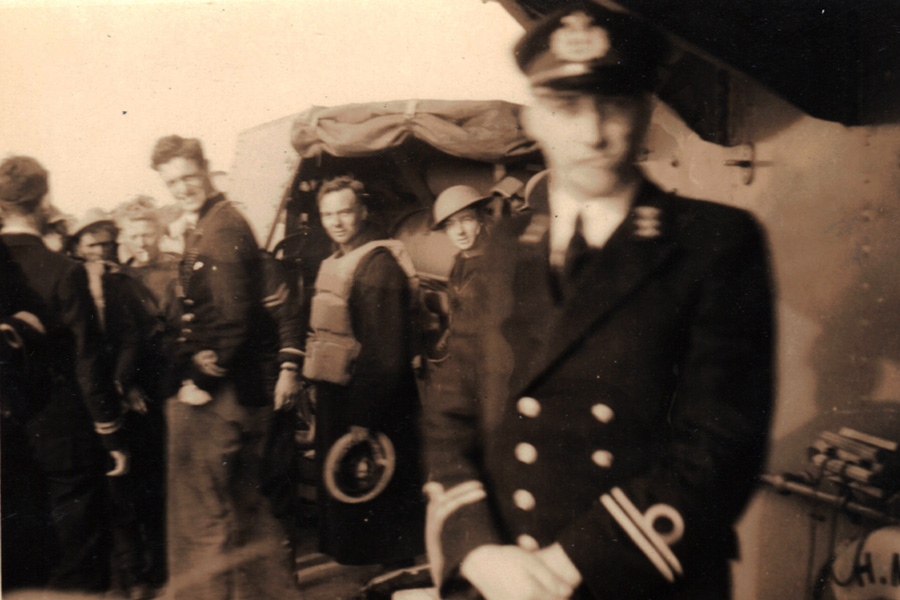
(450, 299)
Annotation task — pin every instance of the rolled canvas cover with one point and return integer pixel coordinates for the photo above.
(479, 130)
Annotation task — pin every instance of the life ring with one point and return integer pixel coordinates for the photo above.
(357, 471)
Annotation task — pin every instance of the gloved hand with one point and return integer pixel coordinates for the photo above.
(525, 576)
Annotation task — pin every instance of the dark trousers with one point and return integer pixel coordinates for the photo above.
(138, 498)
(223, 543)
(29, 549)
(54, 498)
(78, 508)
(71, 468)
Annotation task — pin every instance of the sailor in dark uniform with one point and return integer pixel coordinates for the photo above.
(461, 213)
(66, 403)
(604, 431)
(218, 406)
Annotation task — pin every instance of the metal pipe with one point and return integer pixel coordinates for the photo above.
(783, 484)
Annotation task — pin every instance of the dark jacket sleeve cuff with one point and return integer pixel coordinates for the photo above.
(458, 521)
(292, 355)
(619, 552)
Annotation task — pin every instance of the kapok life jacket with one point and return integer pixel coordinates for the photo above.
(331, 347)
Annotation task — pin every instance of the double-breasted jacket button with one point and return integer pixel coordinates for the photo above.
(526, 542)
(602, 458)
(602, 413)
(187, 317)
(188, 302)
(528, 407)
(526, 453)
(524, 500)
(186, 331)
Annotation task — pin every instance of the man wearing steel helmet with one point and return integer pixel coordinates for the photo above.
(460, 212)
(609, 421)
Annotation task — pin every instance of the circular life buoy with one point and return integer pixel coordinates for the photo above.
(357, 471)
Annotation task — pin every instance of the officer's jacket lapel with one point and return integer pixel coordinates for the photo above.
(603, 281)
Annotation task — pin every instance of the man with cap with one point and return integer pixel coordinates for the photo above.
(605, 432)
(72, 402)
(93, 241)
(131, 330)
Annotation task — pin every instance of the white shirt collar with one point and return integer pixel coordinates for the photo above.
(600, 217)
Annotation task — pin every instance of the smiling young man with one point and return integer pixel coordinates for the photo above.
(605, 431)
(218, 398)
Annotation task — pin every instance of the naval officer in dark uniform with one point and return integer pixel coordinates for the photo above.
(605, 430)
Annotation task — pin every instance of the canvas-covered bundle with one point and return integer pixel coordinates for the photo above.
(478, 130)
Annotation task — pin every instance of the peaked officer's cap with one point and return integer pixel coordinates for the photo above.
(589, 48)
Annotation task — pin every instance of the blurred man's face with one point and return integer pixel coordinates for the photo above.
(96, 245)
(463, 227)
(590, 141)
(142, 240)
(187, 181)
(342, 215)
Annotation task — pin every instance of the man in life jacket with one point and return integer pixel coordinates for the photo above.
(359, 358)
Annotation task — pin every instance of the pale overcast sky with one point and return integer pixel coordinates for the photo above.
(87, 88)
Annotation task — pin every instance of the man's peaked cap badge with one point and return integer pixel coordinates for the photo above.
(579, 40)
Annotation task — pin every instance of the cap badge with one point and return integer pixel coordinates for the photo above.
(579, 40)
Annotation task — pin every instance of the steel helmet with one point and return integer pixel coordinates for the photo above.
(454, 199)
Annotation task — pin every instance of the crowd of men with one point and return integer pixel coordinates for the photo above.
(593, 429)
